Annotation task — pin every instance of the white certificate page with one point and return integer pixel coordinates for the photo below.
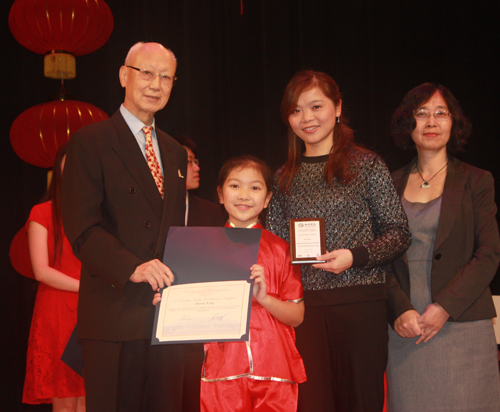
(208, 311)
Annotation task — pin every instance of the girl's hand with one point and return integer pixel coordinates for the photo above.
(431, 321)
(259, 287)
(289, 313)
(156, 298)
(336, 261)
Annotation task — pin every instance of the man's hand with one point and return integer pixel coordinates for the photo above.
(153, 272)
(156, 298)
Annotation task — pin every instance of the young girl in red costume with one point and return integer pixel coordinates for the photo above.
(262, 374)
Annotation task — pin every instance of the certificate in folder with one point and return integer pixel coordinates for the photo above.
(210, 299)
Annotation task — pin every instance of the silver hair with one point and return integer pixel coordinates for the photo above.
(137, 45)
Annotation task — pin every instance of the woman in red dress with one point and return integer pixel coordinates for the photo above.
(48, 379)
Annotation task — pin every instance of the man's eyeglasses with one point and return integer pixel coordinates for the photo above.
(195, 161)
(150, 76)
(439, 114)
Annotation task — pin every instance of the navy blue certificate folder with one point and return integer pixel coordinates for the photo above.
(210, 254)
(73, 354)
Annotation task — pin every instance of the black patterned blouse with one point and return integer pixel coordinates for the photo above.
(364, 216)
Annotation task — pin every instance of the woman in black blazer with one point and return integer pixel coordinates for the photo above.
(442, 352)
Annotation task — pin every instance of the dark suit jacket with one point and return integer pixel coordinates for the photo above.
(466, 248)
(204, 213)
(116, 220)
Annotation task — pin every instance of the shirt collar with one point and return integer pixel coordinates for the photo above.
(133, 122)
(251, 225)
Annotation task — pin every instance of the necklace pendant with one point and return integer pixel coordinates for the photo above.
(425, 185)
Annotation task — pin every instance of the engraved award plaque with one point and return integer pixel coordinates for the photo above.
(307, 240)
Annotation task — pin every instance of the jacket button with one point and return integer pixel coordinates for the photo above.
(132, 190)
(438, 256)
(147, 224)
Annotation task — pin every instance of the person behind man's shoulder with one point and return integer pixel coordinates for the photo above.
(199, 212)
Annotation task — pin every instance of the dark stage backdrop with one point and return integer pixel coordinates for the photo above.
(232, 72)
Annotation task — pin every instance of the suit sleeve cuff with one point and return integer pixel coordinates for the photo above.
(360, 256)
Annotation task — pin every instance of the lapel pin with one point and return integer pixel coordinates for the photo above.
(179, 172)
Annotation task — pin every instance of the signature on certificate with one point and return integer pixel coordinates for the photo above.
(218, 317)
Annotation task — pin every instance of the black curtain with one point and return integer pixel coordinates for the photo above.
(232, 70)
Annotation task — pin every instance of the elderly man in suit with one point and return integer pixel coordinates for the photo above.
(124, 186)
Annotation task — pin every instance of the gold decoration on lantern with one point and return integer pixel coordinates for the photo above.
(59, 65)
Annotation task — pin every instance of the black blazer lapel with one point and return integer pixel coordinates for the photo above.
(451, 202)
(129, 152)
(172, 172)
(400, 178)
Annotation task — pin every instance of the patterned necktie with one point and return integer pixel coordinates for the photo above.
(153, 164)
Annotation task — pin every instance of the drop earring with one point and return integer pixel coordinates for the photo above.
(338, 119)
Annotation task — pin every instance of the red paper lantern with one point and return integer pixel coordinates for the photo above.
(37, 133)
(20, 255)
(75, 26)
(61, 29)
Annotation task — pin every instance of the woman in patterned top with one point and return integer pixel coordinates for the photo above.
(343, 339)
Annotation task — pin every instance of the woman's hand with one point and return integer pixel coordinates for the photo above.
(336, 261)
(259, 287)
(431, 322)
(407, 324)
